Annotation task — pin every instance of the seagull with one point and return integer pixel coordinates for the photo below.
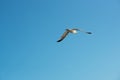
(74, 31)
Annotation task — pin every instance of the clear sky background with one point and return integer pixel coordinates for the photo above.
(29, 30)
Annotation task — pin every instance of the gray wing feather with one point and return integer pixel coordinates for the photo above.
(63, 36)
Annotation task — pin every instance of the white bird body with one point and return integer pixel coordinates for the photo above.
(72, 30)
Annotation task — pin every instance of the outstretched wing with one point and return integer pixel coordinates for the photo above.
(82, 31)
(63, 36)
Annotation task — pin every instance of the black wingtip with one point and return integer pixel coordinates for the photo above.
(88, 32)
(58, 40)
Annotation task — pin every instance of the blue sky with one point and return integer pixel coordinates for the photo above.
(29, 30)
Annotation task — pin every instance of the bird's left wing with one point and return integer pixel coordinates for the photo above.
(63, 36)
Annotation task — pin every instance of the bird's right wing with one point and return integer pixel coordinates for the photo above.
(63, 36)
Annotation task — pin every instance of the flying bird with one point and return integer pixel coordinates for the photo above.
(74, 31)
